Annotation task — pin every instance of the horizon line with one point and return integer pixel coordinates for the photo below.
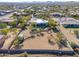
(39, 1)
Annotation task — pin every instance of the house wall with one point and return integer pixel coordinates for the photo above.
(41, 25)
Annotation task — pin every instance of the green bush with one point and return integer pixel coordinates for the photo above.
(39, 30)
(13, 24)
(5, 31)
(59, 35)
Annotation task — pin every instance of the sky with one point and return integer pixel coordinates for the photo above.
(32, 0)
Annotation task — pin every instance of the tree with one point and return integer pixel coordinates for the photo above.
(28, 11)
(32, 25)
(15, 16)
(73, 44)
(43, 15)
(3, 25)
(21, 25)
(27, 18)
(59, 35)
(61, 40)
(13, 24)
(18, 41)
(5, 31)
(52, 23)
(77, 33)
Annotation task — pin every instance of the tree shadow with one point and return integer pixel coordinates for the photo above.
(50, 42)
(55, 30)
(30, 37)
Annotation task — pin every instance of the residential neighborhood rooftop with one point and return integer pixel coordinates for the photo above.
(69, 21)
(38, 20)
(7, 20)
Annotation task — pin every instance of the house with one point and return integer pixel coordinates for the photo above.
(7, 20)
(56, 14)
(40, 23)
(69, 22)
(5, 12)
(20, 13)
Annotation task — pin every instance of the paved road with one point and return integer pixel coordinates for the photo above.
(37, 51)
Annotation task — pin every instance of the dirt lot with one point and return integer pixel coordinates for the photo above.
(40, 42)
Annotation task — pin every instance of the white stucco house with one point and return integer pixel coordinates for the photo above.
(39, 22)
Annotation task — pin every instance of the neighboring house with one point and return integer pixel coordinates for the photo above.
(56, 14)
(7, 20)
(20, 13)
(40, 23)
(69, 22)
(4, 12)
